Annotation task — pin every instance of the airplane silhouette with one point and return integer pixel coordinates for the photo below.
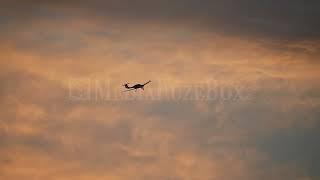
(135, 87)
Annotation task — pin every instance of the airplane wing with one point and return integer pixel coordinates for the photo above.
(128, 90)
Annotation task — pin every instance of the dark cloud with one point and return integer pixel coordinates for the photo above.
(283, 19)
(294, 145)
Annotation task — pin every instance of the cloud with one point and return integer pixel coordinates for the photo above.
(60, 138)
(295, 146)
(271, 19)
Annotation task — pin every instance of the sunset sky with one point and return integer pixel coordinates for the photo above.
(59, 59)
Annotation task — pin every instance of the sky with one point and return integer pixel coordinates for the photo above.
(235, 90)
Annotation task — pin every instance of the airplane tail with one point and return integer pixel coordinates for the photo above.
(147, 82)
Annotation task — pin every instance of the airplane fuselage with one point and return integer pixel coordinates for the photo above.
(136, 86)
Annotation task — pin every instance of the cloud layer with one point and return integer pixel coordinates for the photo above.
(266, 51)
(277, 19)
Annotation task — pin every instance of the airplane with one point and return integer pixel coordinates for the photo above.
(135, 87)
